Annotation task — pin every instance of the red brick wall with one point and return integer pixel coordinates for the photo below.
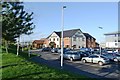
(90, 43)
(67, 42)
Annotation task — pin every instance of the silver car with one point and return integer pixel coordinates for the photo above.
(72, 55)
(100, 59)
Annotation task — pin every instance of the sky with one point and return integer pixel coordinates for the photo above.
(87, 16)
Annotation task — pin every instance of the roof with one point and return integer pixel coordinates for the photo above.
(43, 39)
(110, 33)
(88, 35)
(67, 33)
(70, 33)
(38, 41)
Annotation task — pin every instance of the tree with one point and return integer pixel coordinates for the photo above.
(15, 21)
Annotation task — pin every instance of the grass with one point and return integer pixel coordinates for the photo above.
(17, 67)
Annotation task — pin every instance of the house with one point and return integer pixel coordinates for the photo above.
(97, 44)
(40, 43)
(112, 39)
(90, 41)
(74, 38)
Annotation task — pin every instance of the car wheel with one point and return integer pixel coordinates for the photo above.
(71, 59)
(84, 61)
(100, 63)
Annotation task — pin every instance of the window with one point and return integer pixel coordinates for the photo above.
(74, 38)
(79, 38)
(57, 39)
(92, 39)
(53, 39)
(115, 40)
(119, 35)
(115, 44)
(82, 39)
(50, 39)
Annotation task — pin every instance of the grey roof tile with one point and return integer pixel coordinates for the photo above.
(67, 33)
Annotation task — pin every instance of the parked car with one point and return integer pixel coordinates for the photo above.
(54, 50)
(83, 54)
(64, 50)
(100, 59)
(85, 49)
(112, 56)
(46, 49)
(71, 55)
(109, 50)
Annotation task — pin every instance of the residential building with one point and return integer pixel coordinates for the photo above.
(97, 44)
(90, 41)
(40, 43)
(112, 39)
(74, 38)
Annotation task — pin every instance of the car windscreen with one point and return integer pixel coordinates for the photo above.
(103, 56)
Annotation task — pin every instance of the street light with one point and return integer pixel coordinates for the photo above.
(62, 43)
(99, 42)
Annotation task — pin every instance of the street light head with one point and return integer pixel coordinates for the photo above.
(64, 6)
(100, 27)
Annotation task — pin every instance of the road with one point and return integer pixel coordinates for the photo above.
(111, 71)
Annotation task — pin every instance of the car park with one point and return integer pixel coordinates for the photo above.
(71, 55)
(100, 59)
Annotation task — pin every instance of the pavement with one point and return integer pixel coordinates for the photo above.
(110, 71)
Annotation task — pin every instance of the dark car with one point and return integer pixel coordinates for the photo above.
(84, 54)
(112, 56)
(46, 49)
(64, 50)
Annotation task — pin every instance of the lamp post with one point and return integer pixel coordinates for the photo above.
(99, 42)
(62, 41)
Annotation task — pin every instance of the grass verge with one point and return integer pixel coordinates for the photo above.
(19, 67)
